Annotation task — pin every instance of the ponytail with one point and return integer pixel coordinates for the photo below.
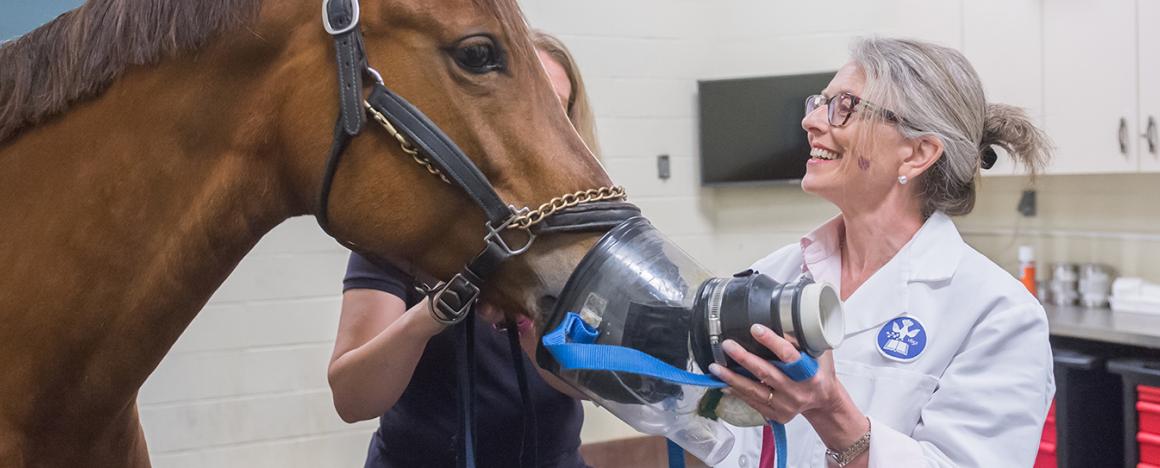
(1008, 127)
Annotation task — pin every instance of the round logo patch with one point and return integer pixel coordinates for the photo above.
(902, 339)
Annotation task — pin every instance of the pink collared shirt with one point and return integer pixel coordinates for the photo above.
(822, 252)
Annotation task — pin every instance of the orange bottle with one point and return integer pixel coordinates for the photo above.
(1027, 269)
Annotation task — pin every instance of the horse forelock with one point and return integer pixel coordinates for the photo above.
(80, 53)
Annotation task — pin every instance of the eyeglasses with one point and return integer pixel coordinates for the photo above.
(839, 108)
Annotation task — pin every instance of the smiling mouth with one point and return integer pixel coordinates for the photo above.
(820, 153)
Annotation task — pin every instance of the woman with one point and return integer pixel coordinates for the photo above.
(392, 360)
(946, 360)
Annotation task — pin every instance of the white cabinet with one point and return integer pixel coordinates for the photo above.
(1148, 55)
(1088, 72)
(1090, 85)
(1003, 39)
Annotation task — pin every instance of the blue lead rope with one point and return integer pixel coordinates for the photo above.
(573, 345)
(676, 454)
(779, 442)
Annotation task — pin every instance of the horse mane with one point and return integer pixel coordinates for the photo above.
(79, 54)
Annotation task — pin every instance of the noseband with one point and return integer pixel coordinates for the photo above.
(452, 301)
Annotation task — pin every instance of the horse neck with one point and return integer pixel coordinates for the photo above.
(131, 209)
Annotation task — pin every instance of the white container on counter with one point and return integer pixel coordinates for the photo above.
(1095, 284)
(1064, 284)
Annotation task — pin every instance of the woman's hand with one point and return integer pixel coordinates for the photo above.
(776, 396)
(821, 399)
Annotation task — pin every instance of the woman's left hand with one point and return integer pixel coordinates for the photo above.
(775, 395)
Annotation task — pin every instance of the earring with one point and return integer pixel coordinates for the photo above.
(903, 180)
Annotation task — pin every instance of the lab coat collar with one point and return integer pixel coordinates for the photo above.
(935, 250)
(931, 256)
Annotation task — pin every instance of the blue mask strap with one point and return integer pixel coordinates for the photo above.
(573, 345)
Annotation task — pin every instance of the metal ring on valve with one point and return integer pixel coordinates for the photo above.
(713, 318)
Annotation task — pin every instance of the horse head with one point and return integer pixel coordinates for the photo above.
(470, 67)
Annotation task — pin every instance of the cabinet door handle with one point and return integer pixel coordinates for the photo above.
(1150, 134)
(1124, 136)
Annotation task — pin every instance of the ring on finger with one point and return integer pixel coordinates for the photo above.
(769, 398)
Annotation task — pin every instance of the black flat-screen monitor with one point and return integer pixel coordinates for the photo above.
(751, 128)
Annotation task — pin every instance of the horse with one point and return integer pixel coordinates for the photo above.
(147, 145)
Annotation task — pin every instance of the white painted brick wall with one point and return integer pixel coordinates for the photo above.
(245, 386)
(620, 137)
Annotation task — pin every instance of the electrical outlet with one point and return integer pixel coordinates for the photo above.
(663, 167)
(1027, 203)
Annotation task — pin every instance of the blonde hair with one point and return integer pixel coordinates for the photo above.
(578, 109)
(935, 92)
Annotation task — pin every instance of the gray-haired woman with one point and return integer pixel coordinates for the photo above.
(946, 360)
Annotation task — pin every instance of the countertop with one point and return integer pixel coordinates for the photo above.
(1104, 325)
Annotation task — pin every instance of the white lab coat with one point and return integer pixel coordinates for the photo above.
(978, 394)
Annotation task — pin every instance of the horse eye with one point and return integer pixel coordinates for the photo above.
(478, 55)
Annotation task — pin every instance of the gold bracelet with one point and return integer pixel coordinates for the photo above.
(844, 457)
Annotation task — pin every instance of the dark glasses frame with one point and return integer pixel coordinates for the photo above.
(848, 104)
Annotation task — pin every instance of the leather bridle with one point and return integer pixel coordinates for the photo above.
(452, 301)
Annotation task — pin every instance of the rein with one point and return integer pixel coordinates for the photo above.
(452, 302)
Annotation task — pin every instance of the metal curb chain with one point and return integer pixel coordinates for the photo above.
(531, 218)
(525, 219)
(405, 145)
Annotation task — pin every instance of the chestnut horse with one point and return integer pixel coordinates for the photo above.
(146, 146)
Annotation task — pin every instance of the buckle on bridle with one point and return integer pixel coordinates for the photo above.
(493, 233)
(370, 71)
(452, 299)
(333, 29)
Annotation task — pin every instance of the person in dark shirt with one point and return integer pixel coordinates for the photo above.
(392, 360)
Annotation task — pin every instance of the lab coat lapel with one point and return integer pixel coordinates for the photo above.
(931, 256)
